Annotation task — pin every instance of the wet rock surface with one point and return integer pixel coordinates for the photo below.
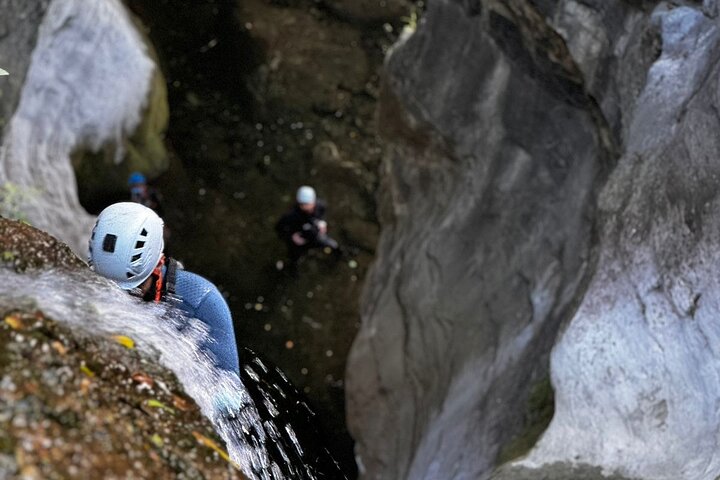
(73, 405)
(73, 408)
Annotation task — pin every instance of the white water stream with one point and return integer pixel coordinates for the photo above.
(93, 306)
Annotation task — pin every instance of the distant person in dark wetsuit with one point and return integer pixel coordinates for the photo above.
(304, 228)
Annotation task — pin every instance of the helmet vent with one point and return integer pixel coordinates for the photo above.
(109, 243)
(136, 257)
(129, 275)
(139, 244)
(143, 233)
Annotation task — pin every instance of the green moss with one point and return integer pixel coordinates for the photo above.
(146, 148)
(7, 444)
(538, 413)
(14, 199)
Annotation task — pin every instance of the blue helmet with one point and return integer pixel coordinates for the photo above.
(135, 178)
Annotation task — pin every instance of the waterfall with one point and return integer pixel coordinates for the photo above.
(266, 448)
(86, 87)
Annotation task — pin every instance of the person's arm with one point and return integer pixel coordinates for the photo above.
(289, 229)
(284, 227)
(319, 212)
(214, 311)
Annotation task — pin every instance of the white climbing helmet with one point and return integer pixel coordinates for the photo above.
(305, 194)
(126, 243)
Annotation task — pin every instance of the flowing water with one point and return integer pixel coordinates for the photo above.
(270, 434)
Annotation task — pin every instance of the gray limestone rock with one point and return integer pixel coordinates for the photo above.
(88, 85)
(504, 120)
(486, 207)
(636, 369)
(19, 22)
(556, 471)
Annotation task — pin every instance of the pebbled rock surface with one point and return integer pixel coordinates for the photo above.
(549, 184)
(23, 247)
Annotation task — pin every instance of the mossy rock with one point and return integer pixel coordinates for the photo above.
(74, 406)
(23, 246)
(538, 414)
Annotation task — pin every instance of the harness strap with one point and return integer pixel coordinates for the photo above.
(170, 275)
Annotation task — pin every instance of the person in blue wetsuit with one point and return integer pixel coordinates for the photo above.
(127, 245)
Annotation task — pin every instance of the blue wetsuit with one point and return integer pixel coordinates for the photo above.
(202, 300)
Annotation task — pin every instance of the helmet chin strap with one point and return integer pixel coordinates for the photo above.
(158, 273)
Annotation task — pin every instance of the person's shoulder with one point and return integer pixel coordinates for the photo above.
(194, 278)
(287, 214)
(290, 215)
(194, 288)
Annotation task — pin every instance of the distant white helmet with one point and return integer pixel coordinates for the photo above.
(306, 194)
(126, 243)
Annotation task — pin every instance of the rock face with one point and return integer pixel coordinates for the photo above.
(73, 405)
(505, 120)
(18, 33)
(645, 339)
(485, 243)
(96, 106)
